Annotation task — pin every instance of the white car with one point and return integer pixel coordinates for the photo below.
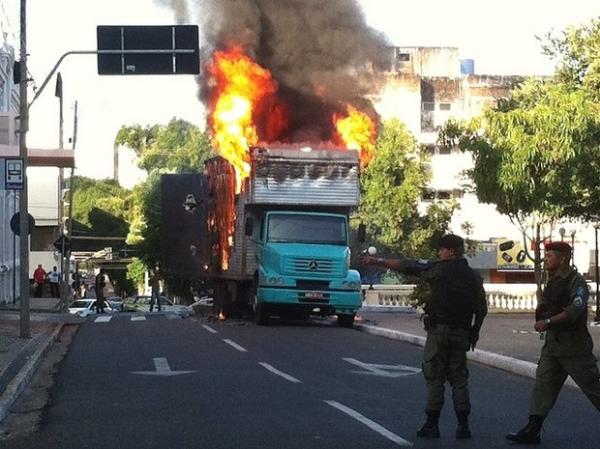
(85, 307)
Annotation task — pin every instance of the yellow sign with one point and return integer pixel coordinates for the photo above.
(511, 256)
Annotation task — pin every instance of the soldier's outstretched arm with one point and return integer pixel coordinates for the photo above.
(411, 267)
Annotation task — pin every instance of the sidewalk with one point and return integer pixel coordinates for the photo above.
(507, 341)
(20, 357)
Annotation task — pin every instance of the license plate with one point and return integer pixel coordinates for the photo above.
(313, 295)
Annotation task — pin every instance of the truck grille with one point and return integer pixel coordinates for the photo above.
(306, 266)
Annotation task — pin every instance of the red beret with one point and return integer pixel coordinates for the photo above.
(561, 247)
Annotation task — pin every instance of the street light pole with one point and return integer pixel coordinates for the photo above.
(25, 331)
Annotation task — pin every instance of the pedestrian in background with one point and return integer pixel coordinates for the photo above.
(568, 346)
(454, 314)
(99, 287)
(54, 278)
(39, 277)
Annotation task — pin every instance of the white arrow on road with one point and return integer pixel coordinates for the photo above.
(375, 369)
(162, 368)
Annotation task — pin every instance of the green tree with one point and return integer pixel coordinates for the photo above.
(391, 204)
(536, 154)
(177, 147)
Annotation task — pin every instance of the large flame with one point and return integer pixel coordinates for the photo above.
(357, 131)
(242, 94)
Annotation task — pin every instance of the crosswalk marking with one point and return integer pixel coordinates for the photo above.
(103, 319)
(138, 318)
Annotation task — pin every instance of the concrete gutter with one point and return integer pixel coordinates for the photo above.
(22, 379)
(499, 361)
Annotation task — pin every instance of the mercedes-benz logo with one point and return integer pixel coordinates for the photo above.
(313, 265)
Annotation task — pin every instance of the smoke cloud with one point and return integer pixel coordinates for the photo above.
(320, 51)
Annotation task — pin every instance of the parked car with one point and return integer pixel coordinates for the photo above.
(141, 303)
(85, 307)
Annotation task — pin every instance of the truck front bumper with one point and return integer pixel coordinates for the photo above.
(337, 301)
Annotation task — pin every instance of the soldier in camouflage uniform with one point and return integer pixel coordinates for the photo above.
(567, 350)
(453, 317)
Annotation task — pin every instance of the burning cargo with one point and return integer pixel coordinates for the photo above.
(281, 245)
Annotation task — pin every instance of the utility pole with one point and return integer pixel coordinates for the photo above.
(71, 191)
(25, 331)
(61, 205)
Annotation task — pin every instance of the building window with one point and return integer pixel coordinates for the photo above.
(445, 106)
(443, 149)
(430, 149)
(402, 56)
(427, 116)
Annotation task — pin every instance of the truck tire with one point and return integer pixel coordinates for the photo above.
(261, 314)
(345, 320)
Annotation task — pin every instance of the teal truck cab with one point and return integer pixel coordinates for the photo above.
(280, 246)
(304, 267)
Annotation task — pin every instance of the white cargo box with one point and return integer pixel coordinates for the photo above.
(304, 176)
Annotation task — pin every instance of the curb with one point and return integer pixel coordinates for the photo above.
(22, 379)
(488, 358)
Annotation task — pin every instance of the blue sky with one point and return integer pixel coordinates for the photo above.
(500, 36)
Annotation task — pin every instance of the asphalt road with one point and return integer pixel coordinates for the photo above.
(289, 385)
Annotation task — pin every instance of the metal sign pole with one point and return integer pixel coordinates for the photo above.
(25, 330)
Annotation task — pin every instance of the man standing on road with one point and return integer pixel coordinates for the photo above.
(567, 350)
(99, 287)
(39, 277)
(453, 317)
(54, 278)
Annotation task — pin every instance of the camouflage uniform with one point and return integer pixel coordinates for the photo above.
(568, 346)
(457, 297)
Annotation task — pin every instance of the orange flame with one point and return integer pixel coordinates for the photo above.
(241, 90)
(357, 131)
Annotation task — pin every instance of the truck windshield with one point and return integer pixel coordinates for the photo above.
(292, 228)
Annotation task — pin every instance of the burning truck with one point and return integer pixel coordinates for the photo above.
(267, 222)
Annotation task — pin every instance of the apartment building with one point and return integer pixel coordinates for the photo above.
(424, 87)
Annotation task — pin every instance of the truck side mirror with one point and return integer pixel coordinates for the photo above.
(362, 233)
(249, 227)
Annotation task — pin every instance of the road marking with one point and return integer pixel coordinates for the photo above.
(209, 329)
(280, 373)
(138, 318)
(161, 368)
(235, 345)
(102, 319)
(371, 424)
(375, 369)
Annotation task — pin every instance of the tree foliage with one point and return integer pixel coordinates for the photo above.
(177, 147)
(537, 154)
(393, 185)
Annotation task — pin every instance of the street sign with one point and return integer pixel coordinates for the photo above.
(13, 176)
(14, 224)
(59, 242)
(148, 50)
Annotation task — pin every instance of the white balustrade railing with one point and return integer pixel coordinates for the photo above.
(500, 297)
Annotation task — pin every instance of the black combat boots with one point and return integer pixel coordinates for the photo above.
(530, 434)
(430, 429)
(463, 431)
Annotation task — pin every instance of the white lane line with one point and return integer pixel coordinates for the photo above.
(235, 345)
(209, 329)
(102, 319)
(371, 424)
(280, 373)
(138, 318)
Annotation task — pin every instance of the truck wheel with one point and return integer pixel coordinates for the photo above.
(261, 315)
(345, 320)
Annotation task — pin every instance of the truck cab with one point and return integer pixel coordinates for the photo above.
(303, 267)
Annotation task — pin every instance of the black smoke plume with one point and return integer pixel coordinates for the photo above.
(322, 52)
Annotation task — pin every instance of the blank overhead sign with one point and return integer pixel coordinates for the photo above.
(148, 50)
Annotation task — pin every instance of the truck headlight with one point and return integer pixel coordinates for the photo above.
(275, 280)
